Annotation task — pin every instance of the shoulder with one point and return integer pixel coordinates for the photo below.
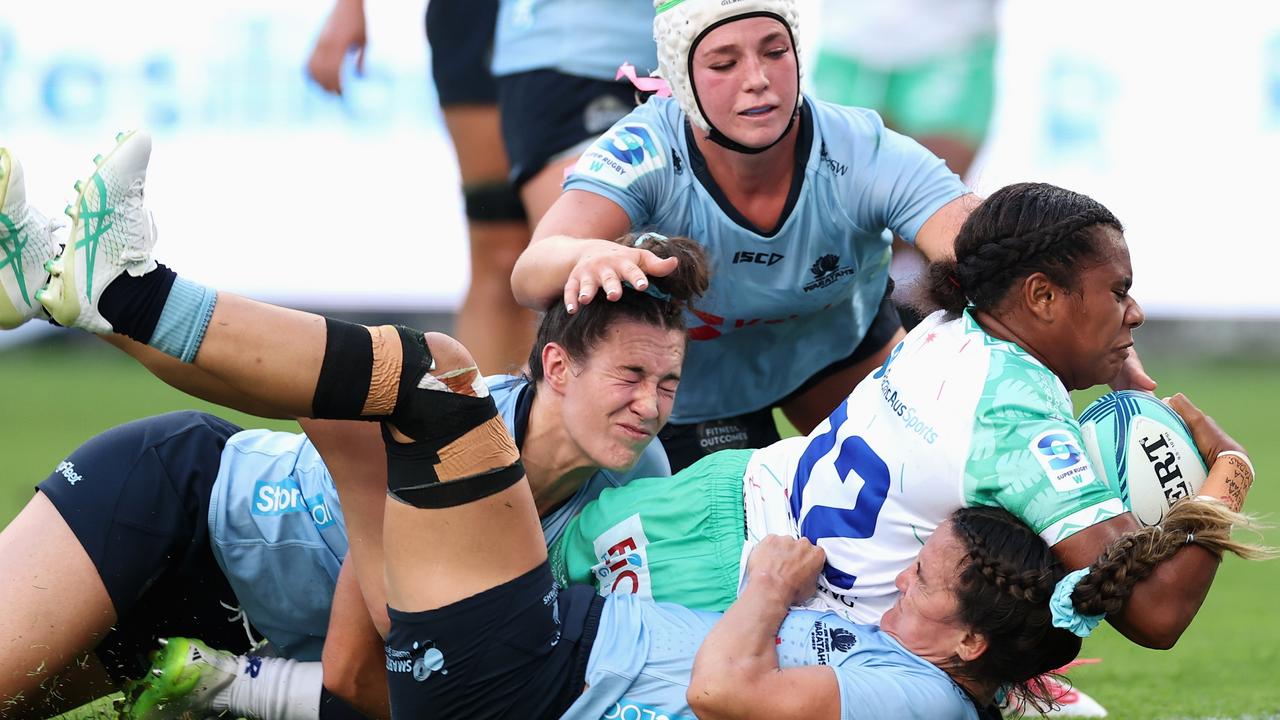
(834, 121)
(505, 390)
(639, 145)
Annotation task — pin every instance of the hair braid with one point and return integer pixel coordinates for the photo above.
(1134, 556)
(1019, 230)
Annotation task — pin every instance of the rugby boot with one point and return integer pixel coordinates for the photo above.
(111, 233)
(26, 244)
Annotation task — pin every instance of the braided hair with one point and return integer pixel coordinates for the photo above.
(663, 306)
(1003, 591)
(1021, 229)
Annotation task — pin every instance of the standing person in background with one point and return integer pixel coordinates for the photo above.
(556, 63)
(928, 68)
(490, 323)
(791, 197)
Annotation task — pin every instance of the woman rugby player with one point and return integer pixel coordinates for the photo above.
(479, 628)
(615, 367)
(792, 196)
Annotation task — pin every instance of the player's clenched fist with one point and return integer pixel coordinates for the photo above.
(789, 565)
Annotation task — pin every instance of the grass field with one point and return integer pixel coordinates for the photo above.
(1226, 666)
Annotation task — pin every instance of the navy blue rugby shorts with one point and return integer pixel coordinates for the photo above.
(518, 650)
(137, 499)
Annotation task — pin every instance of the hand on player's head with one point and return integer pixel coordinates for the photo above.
(606, 266)
(1210, 439)
(789, 565)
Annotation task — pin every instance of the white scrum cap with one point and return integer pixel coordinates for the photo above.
(679, 24)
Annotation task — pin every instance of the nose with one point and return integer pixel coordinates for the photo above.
(900, 582)
(644, 402)
(754, 78)
(1133, 316)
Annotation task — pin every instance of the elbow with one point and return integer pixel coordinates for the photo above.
(713, 694)
(1158, 630)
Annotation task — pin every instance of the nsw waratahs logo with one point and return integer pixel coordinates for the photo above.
(827, 639)
(826, 271)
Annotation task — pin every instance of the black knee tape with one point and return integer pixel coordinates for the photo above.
(436, 418)
(344, 374)
(411, 476)
(493, 202)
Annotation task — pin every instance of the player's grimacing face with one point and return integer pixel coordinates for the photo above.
(1098, 337)
(745, 77)
(924, 618)
(622, 394)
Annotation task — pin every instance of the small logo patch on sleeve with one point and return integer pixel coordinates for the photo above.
(623, 155)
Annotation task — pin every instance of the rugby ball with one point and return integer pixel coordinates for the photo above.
(1144, 450)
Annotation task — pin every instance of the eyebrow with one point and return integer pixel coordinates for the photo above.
(641, 371)
(732, 48)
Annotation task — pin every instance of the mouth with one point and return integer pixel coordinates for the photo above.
(635, 432)
(758, 111)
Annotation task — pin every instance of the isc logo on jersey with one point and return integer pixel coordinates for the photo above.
(285, 496)
(1062, 459)
(623, 565)
(622, 155)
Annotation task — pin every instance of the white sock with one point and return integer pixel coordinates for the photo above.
(269, 688)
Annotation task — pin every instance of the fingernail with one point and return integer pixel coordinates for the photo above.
(570, 308)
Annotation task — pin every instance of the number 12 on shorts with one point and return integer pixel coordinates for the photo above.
(854, 456)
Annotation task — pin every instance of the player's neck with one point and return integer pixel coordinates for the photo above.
(556, 468)
(738, 173)
(1007, 327)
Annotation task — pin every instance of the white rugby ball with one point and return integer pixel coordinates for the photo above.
(1144, 450)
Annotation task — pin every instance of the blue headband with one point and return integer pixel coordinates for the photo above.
(652, 290)
(1064, 611)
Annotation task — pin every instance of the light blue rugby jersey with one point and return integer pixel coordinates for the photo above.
(785, 305)
(587, 38)
(279, 536)
(643, 655)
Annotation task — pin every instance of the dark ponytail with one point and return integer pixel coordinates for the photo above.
(662, 305)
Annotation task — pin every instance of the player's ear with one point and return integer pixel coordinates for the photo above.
(971, 646)
(556, 367)
(1041, 296)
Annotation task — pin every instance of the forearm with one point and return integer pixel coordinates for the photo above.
(539, 275)
(739, 651)
(1163, 605)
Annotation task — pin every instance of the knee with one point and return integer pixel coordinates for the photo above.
(447, 354)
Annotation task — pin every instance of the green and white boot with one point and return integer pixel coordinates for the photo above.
(184, 678)
(26, 244)
(111, 233)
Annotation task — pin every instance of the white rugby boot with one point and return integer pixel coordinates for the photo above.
(111, 233)
(26, 243)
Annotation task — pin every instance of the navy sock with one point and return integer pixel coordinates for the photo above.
(133, 304)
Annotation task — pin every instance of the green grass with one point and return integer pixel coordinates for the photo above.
(59, 394)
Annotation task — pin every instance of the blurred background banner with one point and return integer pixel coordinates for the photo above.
(261, 183)
(1168, 114)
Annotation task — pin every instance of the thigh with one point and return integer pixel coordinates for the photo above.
(56, 609)
(951, 95)
(548, 116)
(460, 34)
(675, 539)
(519, 649)
(844, 80)
(136, 499)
